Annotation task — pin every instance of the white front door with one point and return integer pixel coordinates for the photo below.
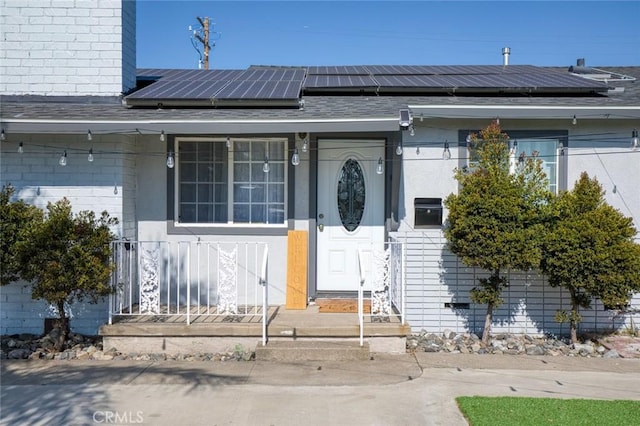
(350, 209)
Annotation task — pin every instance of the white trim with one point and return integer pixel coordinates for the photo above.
(525, 111)
(238, 121)
(186, 127)
(230, 184)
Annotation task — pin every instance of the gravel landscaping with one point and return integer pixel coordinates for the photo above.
(511, 344)
(28, 346)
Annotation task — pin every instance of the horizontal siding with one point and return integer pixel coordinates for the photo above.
(435, 276)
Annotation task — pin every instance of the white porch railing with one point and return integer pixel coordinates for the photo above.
(381, 270)
(189, 280)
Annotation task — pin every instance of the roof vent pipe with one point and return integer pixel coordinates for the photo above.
(506, 51)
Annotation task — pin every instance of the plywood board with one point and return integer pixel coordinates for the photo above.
(297, 267)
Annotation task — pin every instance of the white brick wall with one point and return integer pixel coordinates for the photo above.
(67, 48)
(39, 179)
(21, 314)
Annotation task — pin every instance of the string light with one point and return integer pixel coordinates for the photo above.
(380, 167)
(2, 135)
(295, 158)
(228, 142)
(305, 145)
(90, 156)
(468, 138)
(170, 159)
(89, 135)
(115, 189)
(20, 148)
(574, 121)
(412, 131)
(162, 136)
(446, 154)
(609, 137)
(265, 166)
(63, 159)
(417, 150)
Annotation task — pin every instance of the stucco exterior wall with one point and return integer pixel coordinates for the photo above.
(153, 224)
(67, 47)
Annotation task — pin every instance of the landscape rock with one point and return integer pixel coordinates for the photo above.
(90, 348)
(506, 344)
(611, 354)
(19, 354)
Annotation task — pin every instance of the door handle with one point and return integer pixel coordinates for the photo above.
(321, 227)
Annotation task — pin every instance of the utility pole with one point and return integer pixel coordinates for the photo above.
(204, 40)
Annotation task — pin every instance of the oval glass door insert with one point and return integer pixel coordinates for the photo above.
(351, 195)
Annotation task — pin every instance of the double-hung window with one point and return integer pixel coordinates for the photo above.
(231, 181)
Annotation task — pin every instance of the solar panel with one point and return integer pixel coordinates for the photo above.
(338, 70)
(271, 74)
(413, 81)
(176, 89)
(260, 83)
(339, 81)
(263, 90)
(264, 83)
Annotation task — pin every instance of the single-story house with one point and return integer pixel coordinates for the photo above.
(214, 168)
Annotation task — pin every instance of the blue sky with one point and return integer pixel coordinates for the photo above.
(544, 33)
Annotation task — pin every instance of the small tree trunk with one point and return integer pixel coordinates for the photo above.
(573, 325)
(487, 324)
(63, 326)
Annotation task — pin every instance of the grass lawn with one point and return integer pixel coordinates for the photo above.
(512, 411)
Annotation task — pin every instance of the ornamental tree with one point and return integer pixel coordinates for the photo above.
(496, 220)
(15, 218)
(67, 259)
(589, 251)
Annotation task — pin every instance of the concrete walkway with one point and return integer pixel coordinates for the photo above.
(387, 390)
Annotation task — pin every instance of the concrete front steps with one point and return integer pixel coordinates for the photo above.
(312, 350)
(292, 335)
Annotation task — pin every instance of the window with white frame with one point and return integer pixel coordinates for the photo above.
(547, 151)
(239, 182)
(545, 146)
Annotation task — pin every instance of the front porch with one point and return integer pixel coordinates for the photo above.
(208, 333)
(197, 296)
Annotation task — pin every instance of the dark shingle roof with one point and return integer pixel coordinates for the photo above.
(315, 106)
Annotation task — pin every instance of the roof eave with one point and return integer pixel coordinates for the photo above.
(545, 112)
(194, 127)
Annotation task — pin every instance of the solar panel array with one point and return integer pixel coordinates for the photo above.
(269, 84)
(418, 78)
